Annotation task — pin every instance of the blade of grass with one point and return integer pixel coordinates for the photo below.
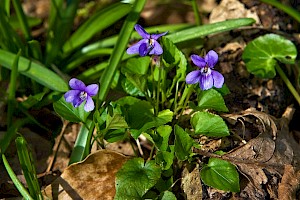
(15, 179)
(28, 168)
(34, 71)
(204, 30)
(95, 24)
(106, 78)
(22, 18)
(12, 89)
(78, 153)
(60, 28)
(5, 5)
(9, 39)
(287, 9)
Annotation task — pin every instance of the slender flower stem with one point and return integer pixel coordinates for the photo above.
(288, 83)
(185, 97)
(158, 89)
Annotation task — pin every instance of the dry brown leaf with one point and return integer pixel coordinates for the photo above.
(231, 9)
(289, 183)
(93, 178)
(191, 183)
(263, 158)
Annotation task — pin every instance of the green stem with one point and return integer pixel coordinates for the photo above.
(185, 98)
(288, 83)
(196, 12)
(12, 90)
(158, 89)
(22, 18)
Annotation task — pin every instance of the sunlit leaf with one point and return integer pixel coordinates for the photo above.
(128, 186)
(211, 99)
(262, 54)
(220, 174)
(209, 124)
(68, 112)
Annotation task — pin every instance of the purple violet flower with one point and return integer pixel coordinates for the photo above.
(147, 45)
(81, 93)
(206, 76)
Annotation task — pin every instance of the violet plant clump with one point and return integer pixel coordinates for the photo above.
(206, 76)
(148, 45)
(80, 93)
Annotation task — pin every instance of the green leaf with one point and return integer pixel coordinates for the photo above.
(128, 186)
(117, 121)
(167, 195)
(96, 23)
(134, 84)
(162, 118)
(165, 158)
(220, 174)
(211, 99)
(68, 112)
(183, 144)
(115, 135)
(164, 133)
(138, 65)
(209, 124)
(34, 71)
(261, 54)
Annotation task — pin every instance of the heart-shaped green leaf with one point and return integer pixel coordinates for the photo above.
(135, 178)
(261, 55)
(68, 112)
(220, 174)
(211, 99)
(209, 124)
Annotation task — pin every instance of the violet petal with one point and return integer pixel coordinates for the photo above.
(157, 50)
(76, 84)
(218, 78)
(211, 58)
(141, 31)
(92, 89)
(197, 60)
(71, 95)
(193, 77)
(89, 105)
(144, 49)
(156, 36)
(134, 49)
(206, 82)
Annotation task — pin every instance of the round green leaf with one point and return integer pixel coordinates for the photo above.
(209, 124)
(220, 174)
(261, 55)
(135, 178)
(68, 112)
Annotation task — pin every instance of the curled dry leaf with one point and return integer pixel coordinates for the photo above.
(263, 159)
(289, 183)
(93, 178)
